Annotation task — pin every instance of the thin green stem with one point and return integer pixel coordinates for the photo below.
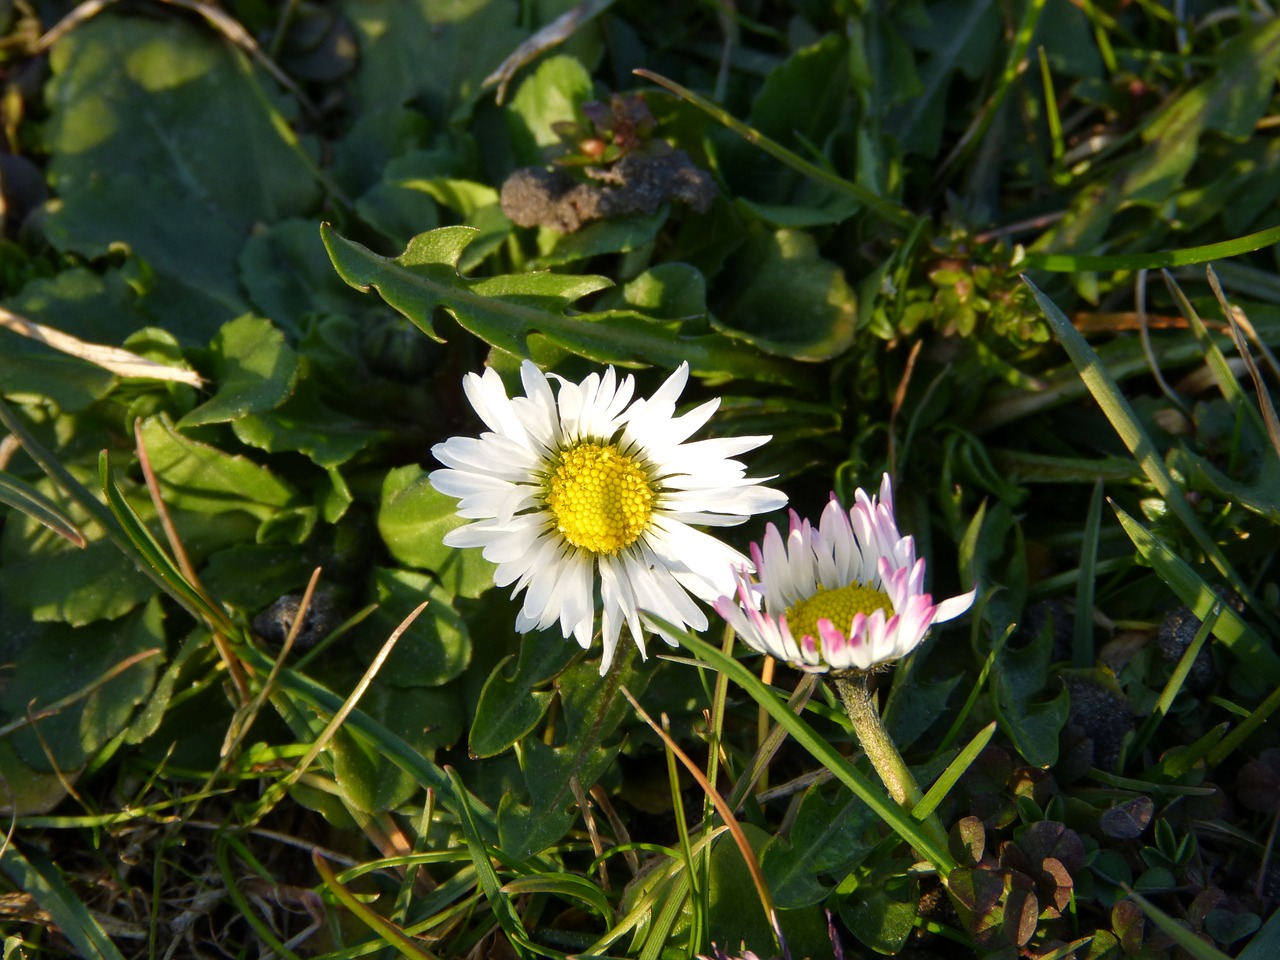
(859, 704)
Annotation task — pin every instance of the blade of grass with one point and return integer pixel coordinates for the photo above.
(503, 910)
(955, 770)
(1072, 263)
(1214, 357)
(566, 885)
(1082, 638)
(1014, 64)
(1125, 422)
(726, 815)
(27, 499)
(1232, 740)
(1176, 680)
(1177, 574)
(151, 557)
(390, 745)
(888, 811)
(384, 928)
(886, 209)
(1183, 937)
(40, 879)
(232, 885)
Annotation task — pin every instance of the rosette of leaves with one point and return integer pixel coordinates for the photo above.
(969, 287)
(607, 133)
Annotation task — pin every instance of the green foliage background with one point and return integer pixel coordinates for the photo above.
(300, 203)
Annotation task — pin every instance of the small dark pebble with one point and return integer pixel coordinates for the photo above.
(1034, 620)
(1177, 631)
(1102, 715)
(274, 623)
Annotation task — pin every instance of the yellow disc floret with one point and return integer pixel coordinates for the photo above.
(601, 499)
(838, 606)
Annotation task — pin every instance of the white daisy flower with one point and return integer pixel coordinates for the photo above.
(587, 490)
(846, 597)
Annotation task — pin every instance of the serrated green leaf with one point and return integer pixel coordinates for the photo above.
(506, 310)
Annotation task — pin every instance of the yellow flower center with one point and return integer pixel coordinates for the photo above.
(601, 499)
(838, 606)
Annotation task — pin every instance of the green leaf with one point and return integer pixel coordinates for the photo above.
(430, 52)
(593, 709)
(915, 706)
(413, 519)
(526, 829)
(786, 299)
(1266, 943)
(287, 275)
(881, 911)
(668, 291)
(1018, 678)
(196, 476)
(614, 235)
(76, 587)
(553, 93)
(509, 706)
(33, 792)
(506, 310)
(305, 423)
(734, 913)
(254, 371)
(98, 308)
(66, 661)
(428, 720)
(958, 35)
(164, 110)
(831, 833)
(437, 646)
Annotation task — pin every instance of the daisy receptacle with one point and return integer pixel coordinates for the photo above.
(586, 498)
(844, 599)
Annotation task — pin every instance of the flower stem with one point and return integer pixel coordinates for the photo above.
(859, 704)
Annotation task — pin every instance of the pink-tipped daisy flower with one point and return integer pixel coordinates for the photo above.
(846, 597)
(587, 499)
